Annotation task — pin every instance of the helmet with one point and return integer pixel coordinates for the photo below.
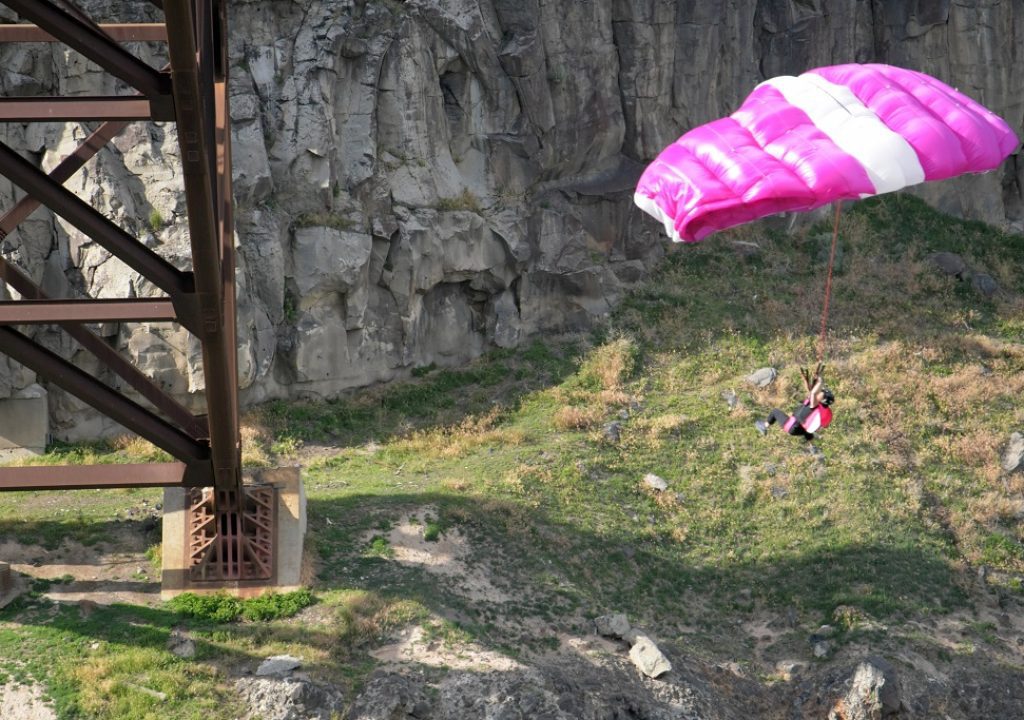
(827, 397)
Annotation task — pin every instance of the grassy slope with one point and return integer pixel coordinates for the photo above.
(511, 451)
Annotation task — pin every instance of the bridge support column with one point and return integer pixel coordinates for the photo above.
(216, 541)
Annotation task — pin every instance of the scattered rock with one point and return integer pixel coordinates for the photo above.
(822, 648)
(789, 669)
(86, 608)
(779, 492)
(391, 697)
(950, 263)
(655, 483)
(746, 249)
(161, 696)
(180, 644)
(648, 658)
(623, 414)
(823, 632)
(1013, 456)
(762, 377)
(874, 693)
(730, 399)
(290, 699)
(614, 626)
(985, 285)
(278, 665)
(613, 431)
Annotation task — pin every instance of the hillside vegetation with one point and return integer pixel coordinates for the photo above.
(516, 458)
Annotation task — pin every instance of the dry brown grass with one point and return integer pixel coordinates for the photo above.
(611, 364)
(977, 449)
(134, 446)
(994, 507)
(256, 441)
(363, 617)
(458, 440)
(661, 427)
(454, 485)
(568, 417)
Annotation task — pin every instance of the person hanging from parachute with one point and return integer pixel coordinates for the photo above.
(814, 415)
(843, 132)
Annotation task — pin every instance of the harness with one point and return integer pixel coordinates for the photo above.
(810, 419)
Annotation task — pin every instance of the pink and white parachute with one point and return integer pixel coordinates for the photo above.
(833, 133)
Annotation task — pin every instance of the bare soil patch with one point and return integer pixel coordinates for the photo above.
(98, 573)
(24, 702)
(447, 556)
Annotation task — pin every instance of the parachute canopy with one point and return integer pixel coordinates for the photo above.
(833, 133)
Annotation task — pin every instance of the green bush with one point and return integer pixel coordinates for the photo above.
(217, 608)
(223, 608)
(276, 605)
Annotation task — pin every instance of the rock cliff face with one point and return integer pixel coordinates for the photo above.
(418, 181)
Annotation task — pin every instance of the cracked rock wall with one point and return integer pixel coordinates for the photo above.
(419, 181)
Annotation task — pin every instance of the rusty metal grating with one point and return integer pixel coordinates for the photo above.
(231, 536)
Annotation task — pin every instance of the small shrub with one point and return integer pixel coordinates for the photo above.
(219, 607)
(610, 365)
(466, 200)
(323, 219)
(155, 555)
(222, 608)
(156, 220)
(432, 531)
(380, 547)
(276, 605)
(423, 370)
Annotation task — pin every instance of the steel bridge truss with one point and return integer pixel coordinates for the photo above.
(192, 92)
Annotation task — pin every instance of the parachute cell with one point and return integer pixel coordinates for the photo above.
(833, 133)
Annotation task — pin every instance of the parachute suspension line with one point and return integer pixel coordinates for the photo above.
(828, 284)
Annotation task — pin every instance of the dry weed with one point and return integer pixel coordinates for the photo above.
(458, 486)
(577, 418)
(661, 426)
(611, 364)
(458, 440)
(256, 441)
(978, 449)
(993, 508)
(134, 446)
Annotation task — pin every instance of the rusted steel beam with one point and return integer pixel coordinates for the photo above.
(176, 283)
(56, 109)
(198, 157)
(81, 477)
(194, 425)
(10, 274)
(121, 32)
(225, 194)
(64, 170)
(93, 392)
(175, 411)
(31, 312)
(94, 44)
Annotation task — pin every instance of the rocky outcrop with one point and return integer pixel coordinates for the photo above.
(418, 181)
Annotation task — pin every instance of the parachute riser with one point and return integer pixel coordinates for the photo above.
(828, 284)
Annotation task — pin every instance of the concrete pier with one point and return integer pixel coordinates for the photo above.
(289, 535)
